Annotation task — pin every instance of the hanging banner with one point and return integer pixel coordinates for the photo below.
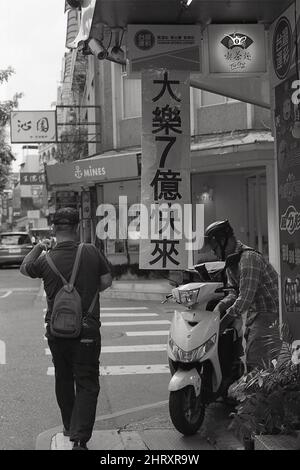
(165, 179)
(33, 127)
(32, 178)
(285, 86)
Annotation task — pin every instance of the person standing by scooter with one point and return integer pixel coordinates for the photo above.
(254, 284)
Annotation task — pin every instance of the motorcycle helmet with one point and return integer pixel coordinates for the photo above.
(217, 234)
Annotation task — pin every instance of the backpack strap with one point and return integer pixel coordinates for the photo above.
(76, 265)
(55, 270)
(74, 271)
(91, 307)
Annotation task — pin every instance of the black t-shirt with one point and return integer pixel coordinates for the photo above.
(92, 266)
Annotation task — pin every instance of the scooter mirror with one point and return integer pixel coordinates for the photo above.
(203, 273)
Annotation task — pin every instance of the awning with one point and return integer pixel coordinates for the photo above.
(232, 139)
(122, 165)
(86, 172)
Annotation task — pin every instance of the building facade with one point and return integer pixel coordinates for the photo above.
(232, 160)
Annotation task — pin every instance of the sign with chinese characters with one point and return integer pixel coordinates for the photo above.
(236, 49)
(32, 178)
(287, 144)
(33, 126)
(174, 47)
(282, 45)
(165, 179)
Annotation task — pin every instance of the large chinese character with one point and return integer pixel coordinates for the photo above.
(164, 252)
(171, 141)
(42, 125)
(166, 85)
(166, 119)
(25, 126)
(167, 221)
(168, 181)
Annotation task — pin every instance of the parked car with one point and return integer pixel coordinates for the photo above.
(14, 246)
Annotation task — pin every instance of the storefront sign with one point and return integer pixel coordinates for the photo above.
(165, 169)
(93, 170)
(33, 126)
(237, 49)
(174, 47)
(287, 139)
(32, 178)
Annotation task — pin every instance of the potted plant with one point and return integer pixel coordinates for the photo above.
(269, 399)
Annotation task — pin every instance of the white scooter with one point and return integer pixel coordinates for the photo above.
(200, 349)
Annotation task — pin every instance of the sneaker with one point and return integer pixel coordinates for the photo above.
(79, 445)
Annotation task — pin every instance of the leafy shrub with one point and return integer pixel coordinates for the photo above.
(269, 399)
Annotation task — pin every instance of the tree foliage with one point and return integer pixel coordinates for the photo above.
(73, 144)
(6, 156)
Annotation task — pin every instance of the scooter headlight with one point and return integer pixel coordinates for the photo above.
(188, 297)
(194, 355)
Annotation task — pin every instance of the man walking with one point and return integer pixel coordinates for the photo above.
(254, 284)
(76, 361)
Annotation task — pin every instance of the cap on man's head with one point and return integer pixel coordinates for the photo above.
(66, 216)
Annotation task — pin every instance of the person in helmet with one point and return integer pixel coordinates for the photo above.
(254, 284)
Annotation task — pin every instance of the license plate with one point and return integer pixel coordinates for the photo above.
(14, 250)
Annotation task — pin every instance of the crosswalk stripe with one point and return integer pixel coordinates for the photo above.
(118, 314)
(131, 348)
(147, 333)
(128, 370)
(2, 352)
(19, 289)
(6, 294)
(150, 322)
(124, 308)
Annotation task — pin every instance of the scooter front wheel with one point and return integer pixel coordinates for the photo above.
(186, 410)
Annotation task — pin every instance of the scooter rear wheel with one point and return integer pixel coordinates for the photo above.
(186, 410)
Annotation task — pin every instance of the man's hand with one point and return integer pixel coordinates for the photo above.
(46, 244)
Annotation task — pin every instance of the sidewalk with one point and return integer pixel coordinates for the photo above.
(154, 433)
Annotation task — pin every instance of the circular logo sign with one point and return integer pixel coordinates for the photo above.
(144, 39)
(282, 47)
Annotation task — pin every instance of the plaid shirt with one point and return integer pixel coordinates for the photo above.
(255, 286)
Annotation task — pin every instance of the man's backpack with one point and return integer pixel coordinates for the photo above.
(67, 315)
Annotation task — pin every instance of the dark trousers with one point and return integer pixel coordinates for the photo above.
(76, 364)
